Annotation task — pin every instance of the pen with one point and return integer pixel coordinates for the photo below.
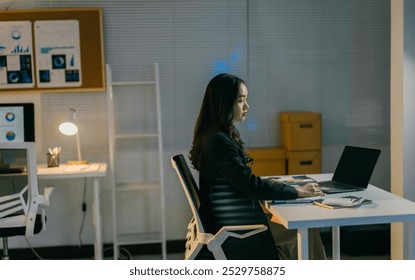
(83, 167)
(323, 205)
(358, 199)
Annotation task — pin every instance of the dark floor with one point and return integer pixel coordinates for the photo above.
(365, 242)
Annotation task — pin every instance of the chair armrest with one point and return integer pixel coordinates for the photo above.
(214, 243)
(47, 192)
(31, 215)
(41, 201)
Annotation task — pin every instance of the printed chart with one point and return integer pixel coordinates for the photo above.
(58, 55)
(11, 124)
(16, 54)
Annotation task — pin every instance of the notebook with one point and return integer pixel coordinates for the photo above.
(353, 170)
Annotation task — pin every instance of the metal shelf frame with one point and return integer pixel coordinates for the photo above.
(140, 186)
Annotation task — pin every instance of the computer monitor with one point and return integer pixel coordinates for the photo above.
(17, 122)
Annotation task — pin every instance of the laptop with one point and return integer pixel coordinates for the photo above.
(353, 170)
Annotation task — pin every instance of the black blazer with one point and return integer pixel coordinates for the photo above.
(229, 193)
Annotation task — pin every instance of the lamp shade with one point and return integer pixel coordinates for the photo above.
(68, 128)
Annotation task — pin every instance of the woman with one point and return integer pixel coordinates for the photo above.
(229, 190)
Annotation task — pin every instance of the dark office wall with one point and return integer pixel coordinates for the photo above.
(327, 56)
(330, 56)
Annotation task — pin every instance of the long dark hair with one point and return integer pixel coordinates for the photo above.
(217, 111)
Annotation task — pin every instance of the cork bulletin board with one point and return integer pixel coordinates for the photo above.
(68, 55)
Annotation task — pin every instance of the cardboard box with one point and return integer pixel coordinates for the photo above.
(268, 161)
(308, 162)
(300, 131)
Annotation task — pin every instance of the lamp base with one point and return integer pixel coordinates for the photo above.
(77, 162)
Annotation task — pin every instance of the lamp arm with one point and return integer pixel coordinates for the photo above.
(78, 146)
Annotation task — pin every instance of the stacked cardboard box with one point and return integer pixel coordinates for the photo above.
(301, 137)
(268, 161)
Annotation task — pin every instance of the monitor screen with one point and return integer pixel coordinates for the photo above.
(13, 164)
(17, 122)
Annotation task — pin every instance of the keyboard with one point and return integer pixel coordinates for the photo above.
(336, 185)
(10, 170)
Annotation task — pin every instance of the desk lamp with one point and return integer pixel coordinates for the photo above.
(69, 127)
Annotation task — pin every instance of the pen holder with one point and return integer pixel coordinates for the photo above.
(53, 160)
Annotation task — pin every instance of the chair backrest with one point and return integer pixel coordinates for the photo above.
(19, 208)
(196, 236)
(189, 185)
(194, 242)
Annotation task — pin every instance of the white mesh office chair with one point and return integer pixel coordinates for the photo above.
(196, 236)
(19, 208)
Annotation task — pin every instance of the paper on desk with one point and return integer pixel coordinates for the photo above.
(81, 168)
(301, 200)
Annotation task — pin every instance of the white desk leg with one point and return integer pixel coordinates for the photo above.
(96, 219)
(302, 239)
(336, 242)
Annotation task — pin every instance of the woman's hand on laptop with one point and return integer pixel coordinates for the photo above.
(309, 189)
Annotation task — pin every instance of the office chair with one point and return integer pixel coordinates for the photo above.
(19, 208)
(196, 236)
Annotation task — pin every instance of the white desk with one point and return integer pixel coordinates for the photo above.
(386, 208)
(94, 171)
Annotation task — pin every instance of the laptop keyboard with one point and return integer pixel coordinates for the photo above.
(10, 170)
(331, 184)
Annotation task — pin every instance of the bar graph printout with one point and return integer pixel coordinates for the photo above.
(58, 55)
(16, 54)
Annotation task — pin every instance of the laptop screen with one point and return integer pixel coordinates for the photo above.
(356, 166)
